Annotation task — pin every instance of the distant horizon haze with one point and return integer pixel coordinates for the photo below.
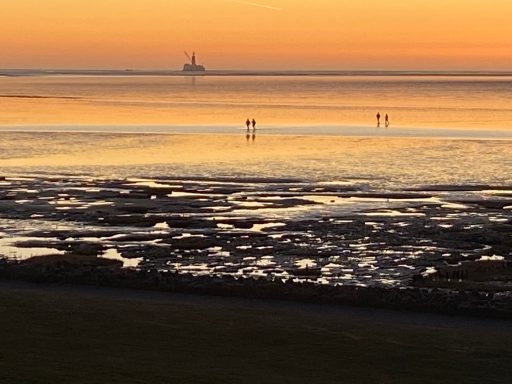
(263, 71)
(459, 35)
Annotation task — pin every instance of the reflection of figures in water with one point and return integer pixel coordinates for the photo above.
(378, 119)
(248, 135)
(386, 120)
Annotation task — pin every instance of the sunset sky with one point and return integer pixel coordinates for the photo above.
(258, 34)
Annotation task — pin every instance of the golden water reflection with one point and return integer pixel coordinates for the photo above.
(322, 158)
(415, 101)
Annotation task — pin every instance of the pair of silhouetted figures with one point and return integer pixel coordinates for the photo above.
(386, 120)
(252, 122)
(248, 124)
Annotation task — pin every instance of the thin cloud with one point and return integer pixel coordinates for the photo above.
(257, 5)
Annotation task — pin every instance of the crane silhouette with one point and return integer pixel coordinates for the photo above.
(191, 59)
(192, 66)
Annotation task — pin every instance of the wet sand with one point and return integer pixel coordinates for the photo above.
(286, 229)
(400, 160)
(95, 335)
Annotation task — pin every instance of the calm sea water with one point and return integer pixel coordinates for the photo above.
(423, 110)
(483, 102)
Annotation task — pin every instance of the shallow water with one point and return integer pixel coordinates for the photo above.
(411, 101)
(380, 162)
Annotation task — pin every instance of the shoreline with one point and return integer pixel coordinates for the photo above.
(288, 130)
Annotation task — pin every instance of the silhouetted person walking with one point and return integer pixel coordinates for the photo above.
(378, 119)
(253, 124)
(248, 123)
(386, 120)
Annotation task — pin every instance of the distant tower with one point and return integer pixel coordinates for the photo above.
(192, 66)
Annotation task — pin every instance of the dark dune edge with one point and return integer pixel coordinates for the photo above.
(53, 334)
(37, 97)
(83, 270)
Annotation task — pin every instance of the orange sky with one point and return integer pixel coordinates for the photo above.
(253, 34)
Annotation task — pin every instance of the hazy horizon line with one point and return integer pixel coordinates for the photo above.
(216, 71)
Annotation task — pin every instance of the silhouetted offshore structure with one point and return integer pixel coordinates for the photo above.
(193, 66)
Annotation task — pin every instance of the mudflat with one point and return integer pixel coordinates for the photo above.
(79, 334)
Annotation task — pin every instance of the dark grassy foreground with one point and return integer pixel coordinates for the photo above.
(52, 334)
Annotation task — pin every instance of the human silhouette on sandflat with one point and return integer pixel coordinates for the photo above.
(253, 124)
(386, 120)
(248, 123)
(378, 119)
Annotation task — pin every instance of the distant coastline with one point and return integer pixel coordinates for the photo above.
(165, 72)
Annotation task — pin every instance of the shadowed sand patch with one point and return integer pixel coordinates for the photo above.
(150, 337)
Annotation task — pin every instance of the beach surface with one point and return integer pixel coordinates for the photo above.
(333, 210)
